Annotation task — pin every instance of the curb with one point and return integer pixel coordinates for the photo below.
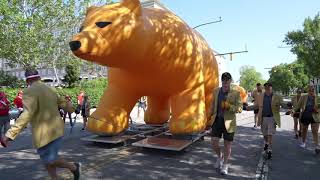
(262, 168)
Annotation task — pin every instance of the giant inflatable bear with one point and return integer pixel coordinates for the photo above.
(149, 52)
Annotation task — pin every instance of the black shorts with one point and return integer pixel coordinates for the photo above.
(256, 111)
(219, 129)
(83, 113)
(307, 118)
(296, 114)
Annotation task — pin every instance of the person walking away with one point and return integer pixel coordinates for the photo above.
(85, 110)
(69, 110)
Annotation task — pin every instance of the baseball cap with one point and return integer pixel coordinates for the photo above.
(226, 76)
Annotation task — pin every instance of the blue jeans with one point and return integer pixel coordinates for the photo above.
(49, 152)
(4, 124)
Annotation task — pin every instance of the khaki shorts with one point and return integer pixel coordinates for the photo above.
(268, 126)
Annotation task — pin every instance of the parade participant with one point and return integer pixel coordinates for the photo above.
(269, 116)
(69, 110)
(80, 98)
(295, 115)
(41, 110)
(4, 113)
(85, 110)
(255, 95)
(142, 103)
(226, 104)
(18, 100)
(309, 115)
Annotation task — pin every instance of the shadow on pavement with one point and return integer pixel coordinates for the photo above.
(292, 162)
(102, 161)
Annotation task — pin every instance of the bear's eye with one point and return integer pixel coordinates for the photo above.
(81, 28)
(102, 24)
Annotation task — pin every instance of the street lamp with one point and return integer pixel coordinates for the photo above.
(212, 22)
(232, 53)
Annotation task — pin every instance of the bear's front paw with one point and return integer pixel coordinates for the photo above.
(105, 126)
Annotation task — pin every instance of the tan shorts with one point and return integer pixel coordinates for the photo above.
(268, 126)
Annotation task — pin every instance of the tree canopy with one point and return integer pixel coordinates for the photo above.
(288, 77)
(306, 44)
(37, 32)
(249, 77)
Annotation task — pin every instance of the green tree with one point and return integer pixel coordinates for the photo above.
(288, 77)
(72, 75)
(306, 44)
(249, 77)
(37, 32)
(300, 73)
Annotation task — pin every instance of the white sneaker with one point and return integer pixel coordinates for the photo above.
(218, 163)
(224, 169)
(303, 145)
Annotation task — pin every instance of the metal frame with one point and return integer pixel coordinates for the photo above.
(132, 132)
(158, 141)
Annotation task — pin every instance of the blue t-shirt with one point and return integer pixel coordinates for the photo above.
(221, 97)
(267, 111)
(310, 104)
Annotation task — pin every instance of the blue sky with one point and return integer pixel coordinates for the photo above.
(261, 25)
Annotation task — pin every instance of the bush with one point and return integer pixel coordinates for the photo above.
(93, 88)
(72, 75)
(8, 80)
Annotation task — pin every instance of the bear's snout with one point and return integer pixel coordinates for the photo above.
(74, 45)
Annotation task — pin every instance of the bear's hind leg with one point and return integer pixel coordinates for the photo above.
(158, 110)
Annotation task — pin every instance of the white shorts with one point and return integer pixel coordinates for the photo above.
(268, 126)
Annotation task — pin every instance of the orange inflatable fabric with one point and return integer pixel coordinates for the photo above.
(243, 92)
(149, 52)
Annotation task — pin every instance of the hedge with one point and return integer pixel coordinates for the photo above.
(93, 88)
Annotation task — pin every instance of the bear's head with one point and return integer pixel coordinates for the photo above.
(109, 33)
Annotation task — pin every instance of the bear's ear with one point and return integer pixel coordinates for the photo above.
(91, 9)
(133, 5)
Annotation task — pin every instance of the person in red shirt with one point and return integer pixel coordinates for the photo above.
(18, 100)
(79, 102)
(80, 98)
(4, 113)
